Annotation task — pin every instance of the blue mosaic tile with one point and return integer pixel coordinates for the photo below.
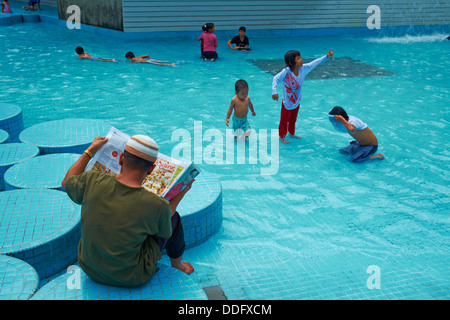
(4, 136)
(201, 209)
(41, 227)
(167, 284)
(45, 171)
(18, 280)
(11, 120)
(64, 136)
(13, 153)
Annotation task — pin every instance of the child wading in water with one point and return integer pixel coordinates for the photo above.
(240, 103)
(292, 77)
(6, 7)
(365, 145)
(209, 42)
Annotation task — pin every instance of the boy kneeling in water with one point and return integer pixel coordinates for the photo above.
(365, 144)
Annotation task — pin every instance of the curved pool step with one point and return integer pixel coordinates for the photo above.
(42, 172)
(40, 227)
(11, 120)
(14, 153)
(64, 136)
(201, 209)
(18, 280)
(166, 284)
(4, 136)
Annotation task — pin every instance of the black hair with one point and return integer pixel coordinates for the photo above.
(240, 84)
(208, 26)
(289, 58)
(338, 111)
(79, 50)
(243, 29)
(135, 162)
(129, 55)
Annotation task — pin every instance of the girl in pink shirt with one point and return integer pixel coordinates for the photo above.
(6, 7)
(209, 42)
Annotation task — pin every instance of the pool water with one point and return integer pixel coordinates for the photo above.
(315, 227)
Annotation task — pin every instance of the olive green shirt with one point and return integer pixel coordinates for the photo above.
(116, 223)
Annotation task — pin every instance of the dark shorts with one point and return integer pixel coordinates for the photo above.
(175, 245)
(357, 152)
(209, 55)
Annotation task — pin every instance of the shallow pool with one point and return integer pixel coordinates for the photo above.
(314, 227)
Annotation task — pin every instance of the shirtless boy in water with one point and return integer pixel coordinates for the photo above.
(365, 144)
(84, 55)
(240, 103)
(146, 58)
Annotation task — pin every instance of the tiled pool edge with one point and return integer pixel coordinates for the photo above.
(166, 284)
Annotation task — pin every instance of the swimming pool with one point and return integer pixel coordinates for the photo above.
(315, 228)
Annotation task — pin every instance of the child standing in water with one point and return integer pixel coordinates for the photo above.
(292, 77)
(209, 42)
(6, 7)
(240, 103)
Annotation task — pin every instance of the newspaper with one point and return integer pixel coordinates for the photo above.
(169, 177)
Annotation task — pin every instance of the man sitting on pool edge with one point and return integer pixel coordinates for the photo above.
(124, 227)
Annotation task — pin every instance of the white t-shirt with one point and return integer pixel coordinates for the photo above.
(359, 125)
(339, 126)
(292, 88)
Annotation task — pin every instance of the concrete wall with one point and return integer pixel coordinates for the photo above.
(183, 15)
(99, 13)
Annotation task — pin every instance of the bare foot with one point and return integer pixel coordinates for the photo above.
(186, 267)
(379, 156)
(284, 141)
(293, 136)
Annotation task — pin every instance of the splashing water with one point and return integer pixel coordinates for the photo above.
(411, 38)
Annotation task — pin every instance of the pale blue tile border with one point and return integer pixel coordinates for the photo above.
(201, 209)
(4, 136)
(64, 136)
(166, 284)
(18, 280)
(41, 227)
(13, 153)
(11, 120)
(42, 172)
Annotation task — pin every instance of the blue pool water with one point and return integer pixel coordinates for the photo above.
(313, 228)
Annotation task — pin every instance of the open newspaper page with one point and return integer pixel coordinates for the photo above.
(169, 173)
(107, 158)
(183, 179)
(165, 172)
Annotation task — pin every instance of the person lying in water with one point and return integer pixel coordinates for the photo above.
(146, 59)
(84, 55)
